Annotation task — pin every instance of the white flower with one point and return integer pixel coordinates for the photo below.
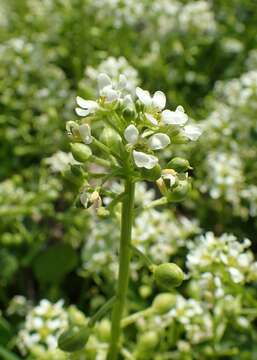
(85, 133)
(158, 101)
(103, 81)
(86, 106)
(236, 275)
(143, 160)
(131, 134)
(109, 93)
(158, 141)
(192, 132)
(177, 117)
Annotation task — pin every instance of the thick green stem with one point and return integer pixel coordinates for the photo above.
(124, 256)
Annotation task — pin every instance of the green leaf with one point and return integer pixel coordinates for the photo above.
(7, 355)
(53, 264)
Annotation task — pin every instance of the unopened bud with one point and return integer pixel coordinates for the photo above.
(74, 339)
(111, 139)
(179, 164)
(168, 275)
(163, 303)
(151, 174)
(179, 192)
(80, 152)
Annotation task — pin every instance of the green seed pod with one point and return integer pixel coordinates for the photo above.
(179, 164)
(151, 174)
(163, 303)
(74, 339)
(111, 139)
(180, 192)
(168, 275)
(80, 152)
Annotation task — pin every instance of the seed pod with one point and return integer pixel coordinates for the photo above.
(179, 164)
(163, 303)
(80, 152)
(151, 174)
(168, 275)
(74, 339)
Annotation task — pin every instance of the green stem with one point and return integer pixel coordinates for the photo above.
(124, 260)
(143, 256)
(134, 317)
(102, 311)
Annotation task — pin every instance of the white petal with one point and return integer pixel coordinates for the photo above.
(192, 132)
(122, 82)
(158, 141)
(151, 118)
(131, 134)
(87, 104)
(128, 101)
(143, 160)
(85, 133)
(81, 112)
(177, 117)
(110, 94)
(144, 96)
(103, 81)
(159, 100)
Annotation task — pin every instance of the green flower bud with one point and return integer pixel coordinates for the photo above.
(78, 171)
(179, 164)
(151, 174)
(80, 152)
(163, 303)
(129, 113)
(72, 178)
(111, 139)
(103, 330)
(168, 275)
(74, 339)
(148, 341)
(179, 192)
(180, 139)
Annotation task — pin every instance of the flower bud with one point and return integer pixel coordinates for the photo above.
(111, 139)
(163, 303)
(78, 171)
(103, 330)
(168, 275)
(180, 139)
(129, 113)
(178, 164)
(148, 340)
(74, 339)
(151, 174)
(73, 130)
(80, 152)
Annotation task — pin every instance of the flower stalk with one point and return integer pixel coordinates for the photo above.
(125, 241)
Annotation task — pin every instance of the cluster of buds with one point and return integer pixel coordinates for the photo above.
(120, 135)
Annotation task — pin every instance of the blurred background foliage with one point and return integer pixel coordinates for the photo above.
(203, 55)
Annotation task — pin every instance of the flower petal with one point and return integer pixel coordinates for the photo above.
(159, 100)
(103, 81)
(131, 134)
(81, 112)
(87, 104)
(122, 82)
(177, 117)
(151, 118)
(109, 93)
(85, 133)
(143, 160)
(144, 96)
(192, 132)
(158, 141)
